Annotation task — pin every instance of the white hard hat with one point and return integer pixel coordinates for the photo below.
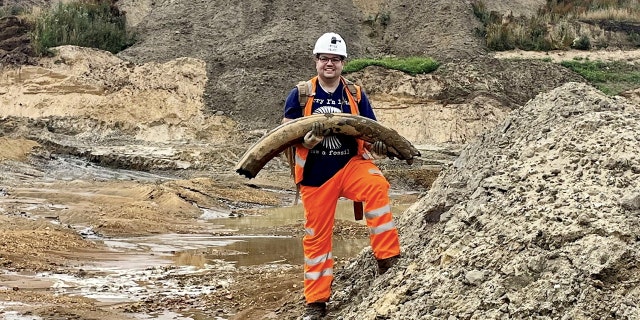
(331, 43)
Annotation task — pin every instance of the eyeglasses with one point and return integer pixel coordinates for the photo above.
(327, 59)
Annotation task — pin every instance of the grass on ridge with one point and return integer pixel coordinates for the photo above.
(610, 77)
(410, 65)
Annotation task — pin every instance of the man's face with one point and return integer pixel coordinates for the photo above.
(329, 66)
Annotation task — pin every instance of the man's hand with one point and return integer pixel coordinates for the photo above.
(314, 136)
(379, 148)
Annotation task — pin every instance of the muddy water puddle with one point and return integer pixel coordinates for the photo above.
(140, 268)
(256, 249)
(164, 265)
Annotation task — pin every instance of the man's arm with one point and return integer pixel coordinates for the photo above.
(292, 108)
(292, 111)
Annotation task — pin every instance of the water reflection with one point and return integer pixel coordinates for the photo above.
(284, 250)
(190, 258)
(261, 249)
(273, 237)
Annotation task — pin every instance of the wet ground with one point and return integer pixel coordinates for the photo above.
(197, 254)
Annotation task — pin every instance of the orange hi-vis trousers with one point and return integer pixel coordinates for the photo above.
(359, 180)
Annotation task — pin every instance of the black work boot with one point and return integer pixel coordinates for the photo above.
(315, 311)
(387, 263)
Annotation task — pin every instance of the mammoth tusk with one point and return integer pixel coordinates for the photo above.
(292, 132)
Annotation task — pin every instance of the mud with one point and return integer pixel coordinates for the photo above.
(118, 199)
(89, 242)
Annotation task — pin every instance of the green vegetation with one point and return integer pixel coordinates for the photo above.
(553, 28)
(610, 77)
(410, 65)
(87, 24)
(582, 43)
(13, 10)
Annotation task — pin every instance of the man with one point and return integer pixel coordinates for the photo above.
(330, 167)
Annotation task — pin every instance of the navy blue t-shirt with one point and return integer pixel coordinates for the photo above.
(333, 153)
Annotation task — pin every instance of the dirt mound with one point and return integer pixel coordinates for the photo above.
(253, 65)
(15, 44)
(95, 105)
(538, 218)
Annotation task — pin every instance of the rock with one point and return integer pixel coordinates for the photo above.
(631, 202)
(474, 277)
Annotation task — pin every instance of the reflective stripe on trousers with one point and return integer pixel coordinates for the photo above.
(359, 180)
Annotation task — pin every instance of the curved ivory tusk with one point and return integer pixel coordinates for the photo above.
(292, 132)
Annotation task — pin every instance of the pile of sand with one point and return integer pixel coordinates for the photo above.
(539, 218)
